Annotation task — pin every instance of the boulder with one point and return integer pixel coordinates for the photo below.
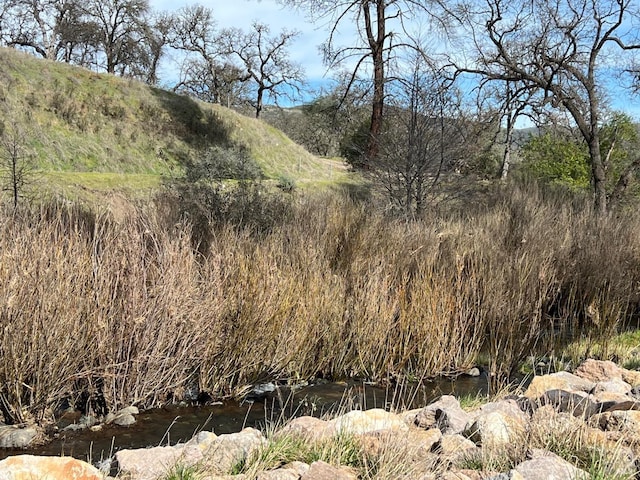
(309, 427)
(498, 424)
(123, 417)
(548, 467)
(359, 422)
(557, 381)
(620, 420)
(599, 370)
(30, 467)
(12, 436)
(578, 404)
(323, 471)
(227, 450)
(445, 414)
(148, 463)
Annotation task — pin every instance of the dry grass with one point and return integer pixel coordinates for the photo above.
(104, 313)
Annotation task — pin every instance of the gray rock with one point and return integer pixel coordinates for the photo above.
(124, 420)
(445, 414)
(229, 449)
(16, 437)
(579, 404)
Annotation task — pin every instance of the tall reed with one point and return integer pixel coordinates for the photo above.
(102, 311)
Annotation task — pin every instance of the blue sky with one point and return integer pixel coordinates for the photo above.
(242, 13)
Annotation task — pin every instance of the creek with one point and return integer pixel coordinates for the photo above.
(178, 423)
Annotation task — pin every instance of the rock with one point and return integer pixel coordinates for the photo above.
(445, 414)
(148, 463)
(473, 372)
(16, 437)
(578, 404)
(309, 427)
(229, 449)
(557, 381)
(615, 385)
(124, 420)
(620, 420)
(454, 445)
(359, 422)
(599, 370)
(30, 467)
(123, 417)
(279, 474)
(550, 467)
(497, 424)
(323, 471)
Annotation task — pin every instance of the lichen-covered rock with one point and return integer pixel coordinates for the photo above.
(30, 467)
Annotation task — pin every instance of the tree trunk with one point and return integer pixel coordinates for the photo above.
(376, 44)
(599, 176)
(259, 101)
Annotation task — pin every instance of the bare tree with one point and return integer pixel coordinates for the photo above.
(425, 138)
(266, 61)
(40, 26)
(15, 161)
(119, 30)
(381, 28)
(560, 47)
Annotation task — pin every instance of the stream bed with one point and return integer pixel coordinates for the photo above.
(173, 424)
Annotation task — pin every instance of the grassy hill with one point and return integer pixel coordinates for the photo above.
(98, 132)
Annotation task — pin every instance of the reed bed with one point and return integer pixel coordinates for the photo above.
(99, 312)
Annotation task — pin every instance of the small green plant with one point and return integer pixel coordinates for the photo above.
(182, 472)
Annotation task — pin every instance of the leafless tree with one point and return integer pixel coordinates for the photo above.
(382, 28)
(425, 138)
(206, 73)
(119, 30)
(564, 48)
(39, 26)
(265, 59)
(15, 161)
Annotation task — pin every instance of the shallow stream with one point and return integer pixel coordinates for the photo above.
(174, 424)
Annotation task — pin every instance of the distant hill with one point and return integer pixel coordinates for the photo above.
(101, 132)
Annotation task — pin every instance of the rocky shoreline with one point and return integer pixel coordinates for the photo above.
(579, 425)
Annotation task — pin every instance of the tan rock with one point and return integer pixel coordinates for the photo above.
(598, 370)
(549, 467)
(148, 463)
(309, 427)
(30, 467)
(557, 381)
(359, 422)
(323, 471)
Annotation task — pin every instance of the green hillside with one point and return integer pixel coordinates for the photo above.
(99, 132)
